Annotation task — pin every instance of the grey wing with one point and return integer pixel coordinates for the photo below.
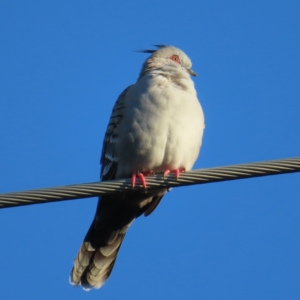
(109, 157)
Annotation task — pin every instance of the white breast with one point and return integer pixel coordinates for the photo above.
(162, 126)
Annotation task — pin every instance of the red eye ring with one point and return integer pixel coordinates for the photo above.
(175, 58)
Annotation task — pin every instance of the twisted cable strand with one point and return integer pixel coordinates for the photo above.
(200, 176)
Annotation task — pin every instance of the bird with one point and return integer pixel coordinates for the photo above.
(156, 127)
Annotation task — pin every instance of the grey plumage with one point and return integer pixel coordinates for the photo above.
(156, 125)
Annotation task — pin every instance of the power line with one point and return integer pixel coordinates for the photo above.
(201, 176)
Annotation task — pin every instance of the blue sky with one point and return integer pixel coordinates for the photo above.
(62, 66)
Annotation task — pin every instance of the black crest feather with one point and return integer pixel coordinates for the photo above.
(152, 51)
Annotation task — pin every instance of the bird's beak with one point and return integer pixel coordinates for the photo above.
(191, 72)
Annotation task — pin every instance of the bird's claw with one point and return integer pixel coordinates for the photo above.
(142, 178)
(176, 171)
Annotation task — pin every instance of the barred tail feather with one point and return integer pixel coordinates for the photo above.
(93, 266)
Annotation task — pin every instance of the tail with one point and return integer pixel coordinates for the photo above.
(93, 266)
(98, 253)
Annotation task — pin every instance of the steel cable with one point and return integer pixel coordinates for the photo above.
(200, 176)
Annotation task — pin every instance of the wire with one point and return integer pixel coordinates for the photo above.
(201, 176)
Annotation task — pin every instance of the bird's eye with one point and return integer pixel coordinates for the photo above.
(175, 58)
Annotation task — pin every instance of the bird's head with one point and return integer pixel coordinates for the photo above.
(168, 58)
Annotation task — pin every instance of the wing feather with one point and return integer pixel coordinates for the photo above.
(109, 157)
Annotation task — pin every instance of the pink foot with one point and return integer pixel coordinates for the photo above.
(176, 171)
(142, 178)
(133, 179)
